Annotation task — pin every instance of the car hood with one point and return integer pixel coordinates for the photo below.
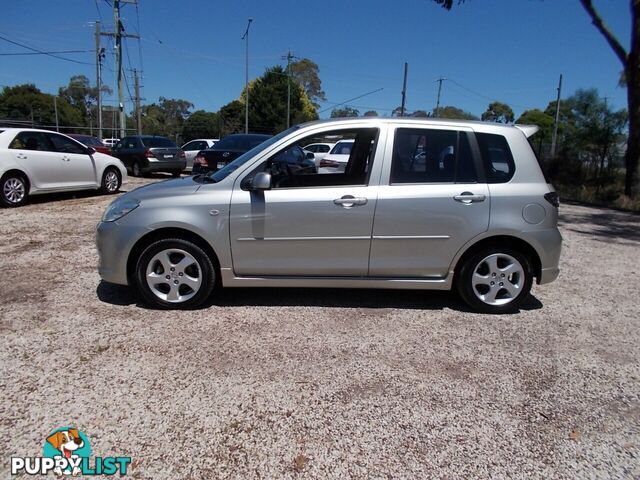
(166, 188)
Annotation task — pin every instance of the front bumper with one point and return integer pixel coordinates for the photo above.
(114, 243)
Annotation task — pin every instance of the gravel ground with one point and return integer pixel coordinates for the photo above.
(307, 383)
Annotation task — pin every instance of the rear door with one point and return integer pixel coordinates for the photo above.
(432, 200)
(35, 154)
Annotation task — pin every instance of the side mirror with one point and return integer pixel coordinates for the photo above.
(261, 181)
(91, 150)
(309, 156)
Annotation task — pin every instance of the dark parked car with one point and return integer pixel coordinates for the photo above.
(145, 153)
(226, 151)
(91, 141)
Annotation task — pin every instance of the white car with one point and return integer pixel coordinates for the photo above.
(336, 160)
(319, 150)
(110, 142)
(39, 161)
(192, 148)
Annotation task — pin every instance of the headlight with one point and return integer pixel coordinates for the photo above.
(119, 209)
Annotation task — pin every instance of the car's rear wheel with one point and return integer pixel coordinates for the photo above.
(176, 174)
(14, 191)
(111, 181)
(175, 274)
(495, 280)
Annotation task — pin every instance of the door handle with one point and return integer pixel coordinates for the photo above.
(21, 156)
(349, 201)
(468, 197)
(65, 159)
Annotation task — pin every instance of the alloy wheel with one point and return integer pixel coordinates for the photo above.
(498, 279)
(111, 181)
(174, 275)
(14, 190)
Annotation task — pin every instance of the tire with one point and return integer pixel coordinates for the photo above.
(14, 190)
(495, 280)
(188, 286)
(176, 174)
(136, 171)
(111, 181)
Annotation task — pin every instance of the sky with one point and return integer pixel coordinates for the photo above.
(507, 50)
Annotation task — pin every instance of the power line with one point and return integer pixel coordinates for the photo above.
(351, 99)
(42, 52)
(46, 53)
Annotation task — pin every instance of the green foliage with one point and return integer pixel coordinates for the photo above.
(344, 112)
(498, 112)
(232, 118)
(306, 73)
(166, 117)
(541, 119)
(455, 113)
(26, 102)
(370, 113)
(201, 124)
(419, 114)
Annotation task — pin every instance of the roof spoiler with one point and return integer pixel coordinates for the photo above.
(528, 130)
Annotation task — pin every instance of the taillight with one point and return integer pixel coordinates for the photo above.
(552, 198)
(148, 153)
(329, 163)
(200, 160)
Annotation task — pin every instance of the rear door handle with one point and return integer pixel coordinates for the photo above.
(468, 197)
(65, 158)
(349, 201)
(21, 156)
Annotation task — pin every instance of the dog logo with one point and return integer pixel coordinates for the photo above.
(70, 444)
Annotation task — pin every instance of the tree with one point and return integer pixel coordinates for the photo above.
(344, 112)
(541, 119)
(498, 112)
(165, 117)
(27, 102)
(419, 114)
(454, 113)
(80, 94)
(232, 118)
(630, 60)
(370, 113)
(306, 73)
(201, 124)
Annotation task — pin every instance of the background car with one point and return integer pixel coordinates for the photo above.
(110, 142)
(226, 151)
(319, 150)
(336, 160)
(91, 141)
(39, 161)
(192, 148)
(145, 153)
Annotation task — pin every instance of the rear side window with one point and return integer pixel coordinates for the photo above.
(431, 156)
(31, 141)
(496, 157)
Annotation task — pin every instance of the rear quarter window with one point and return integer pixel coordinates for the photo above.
(497, 157)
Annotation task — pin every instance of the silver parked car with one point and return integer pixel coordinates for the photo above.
(475, 214)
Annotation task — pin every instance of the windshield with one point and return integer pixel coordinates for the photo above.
(158, 142)
(240, 142)
(245, 157)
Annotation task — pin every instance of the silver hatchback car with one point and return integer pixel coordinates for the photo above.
(421, 204)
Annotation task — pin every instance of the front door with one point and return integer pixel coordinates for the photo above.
(431, 203)
(307, 224)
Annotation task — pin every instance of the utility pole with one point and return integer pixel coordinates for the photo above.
(440, 80)
(289, 56)
(246, 78)
(554, 139)
(404, 89)
(136, 84)
(119, 34)
(55, 108)
(99, 57)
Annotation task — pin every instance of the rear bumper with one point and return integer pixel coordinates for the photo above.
(159, 166)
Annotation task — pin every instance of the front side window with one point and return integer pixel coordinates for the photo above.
(431, 156)
(66, 145)
(292, 167)
(31, 141)
(496, 157)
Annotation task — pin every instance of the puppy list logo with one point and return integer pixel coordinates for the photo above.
(67, 452)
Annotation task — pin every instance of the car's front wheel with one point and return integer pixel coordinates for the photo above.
(136, 170)
(111, 181)
(175, 274)
(495, 280)
(14, 191)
